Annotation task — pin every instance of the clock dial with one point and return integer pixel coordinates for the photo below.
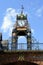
(21, 23)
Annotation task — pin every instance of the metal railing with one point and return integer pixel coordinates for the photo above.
(23, 46)
(37, 46)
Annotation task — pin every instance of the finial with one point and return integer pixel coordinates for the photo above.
(22, 9)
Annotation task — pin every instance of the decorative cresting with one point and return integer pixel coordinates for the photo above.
(21, 28)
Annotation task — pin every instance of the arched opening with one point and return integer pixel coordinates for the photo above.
(21, 63)
(22, 43)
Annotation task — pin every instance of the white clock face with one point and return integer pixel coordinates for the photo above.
(21, 23)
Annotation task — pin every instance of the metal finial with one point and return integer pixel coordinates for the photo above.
(22, 9)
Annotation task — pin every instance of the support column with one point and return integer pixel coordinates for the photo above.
(14, 41)
(29, 40)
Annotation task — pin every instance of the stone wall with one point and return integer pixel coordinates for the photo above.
(27, 56)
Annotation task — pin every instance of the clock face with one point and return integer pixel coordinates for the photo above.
(21, 23)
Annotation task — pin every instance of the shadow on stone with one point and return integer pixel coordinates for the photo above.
(21, 63)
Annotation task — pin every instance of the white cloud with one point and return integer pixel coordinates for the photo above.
(39, 12)
(9, 20)
(6, 24)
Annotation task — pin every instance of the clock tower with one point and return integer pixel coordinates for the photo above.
(21, 28)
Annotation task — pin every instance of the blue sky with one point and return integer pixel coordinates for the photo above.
(34, 10)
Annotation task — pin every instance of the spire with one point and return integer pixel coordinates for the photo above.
(22, 16)
(22, 8)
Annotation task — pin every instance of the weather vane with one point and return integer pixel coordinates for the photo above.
(22, 8)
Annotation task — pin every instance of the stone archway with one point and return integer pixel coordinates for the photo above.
(21, 63)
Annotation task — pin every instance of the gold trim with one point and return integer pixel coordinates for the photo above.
(21, 28)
